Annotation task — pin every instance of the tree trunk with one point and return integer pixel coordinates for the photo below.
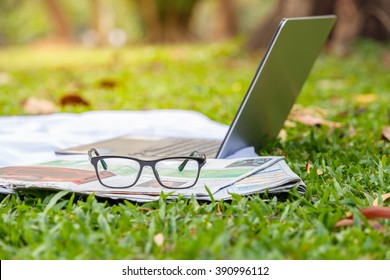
(347, 28)
(102, 21)
(150, 20)
(226, 19)
(166, 21)
(264, 31)
(59, 20)
(368, 18)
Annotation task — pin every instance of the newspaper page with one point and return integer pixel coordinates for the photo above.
(277, 178)
(216, 175)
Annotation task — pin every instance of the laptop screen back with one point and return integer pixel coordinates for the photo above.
(277, 82)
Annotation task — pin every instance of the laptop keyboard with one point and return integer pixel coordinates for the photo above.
(183, 148)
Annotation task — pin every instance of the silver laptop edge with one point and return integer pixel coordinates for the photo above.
(277, 82)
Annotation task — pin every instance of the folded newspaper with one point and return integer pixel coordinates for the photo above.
(219, 179)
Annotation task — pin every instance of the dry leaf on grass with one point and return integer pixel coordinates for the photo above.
(280, 152)
(314, 111)
(386, 133)
(282, 135)
(310, 120)
(378, 212)
(159, 239)
(289, 123)
(308, 169)
(38, 106)
(107, 83)
(311, 117)
(193, 232)
(73, 99)
(375, 203)
(348, 222)
(366, 98)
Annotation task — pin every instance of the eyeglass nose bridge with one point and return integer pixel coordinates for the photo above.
(152, 165)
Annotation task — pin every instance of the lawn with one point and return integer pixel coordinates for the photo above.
(349, 164)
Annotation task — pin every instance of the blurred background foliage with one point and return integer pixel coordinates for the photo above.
(99, 22)
(124, 22)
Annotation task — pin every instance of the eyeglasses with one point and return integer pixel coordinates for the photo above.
(123, 172)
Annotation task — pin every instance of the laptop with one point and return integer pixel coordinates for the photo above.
(277, 82)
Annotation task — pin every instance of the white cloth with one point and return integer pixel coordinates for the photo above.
(33, 139)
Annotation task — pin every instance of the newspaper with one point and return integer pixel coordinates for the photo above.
(219, 179)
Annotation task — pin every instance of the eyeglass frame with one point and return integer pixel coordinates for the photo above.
(201, 160)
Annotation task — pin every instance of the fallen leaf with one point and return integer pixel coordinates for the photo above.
(386, 133)
(344, 223)
(159, 239)
(311, 117)
(282, 135)
(308, 169)
(193, 232)
(73, 99)
(366, 98)
(348, 222)
(315, 121)
(314, 111)
(107, 83)
(375, 203)
(279, 151)
(379, 212)
(289, 123)
(37, 106)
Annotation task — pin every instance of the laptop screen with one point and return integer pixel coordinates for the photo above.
(277, 82)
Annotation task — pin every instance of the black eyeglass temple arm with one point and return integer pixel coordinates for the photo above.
(184, 163)
(90, 155)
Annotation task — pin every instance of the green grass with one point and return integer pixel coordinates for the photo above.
(210, 79)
